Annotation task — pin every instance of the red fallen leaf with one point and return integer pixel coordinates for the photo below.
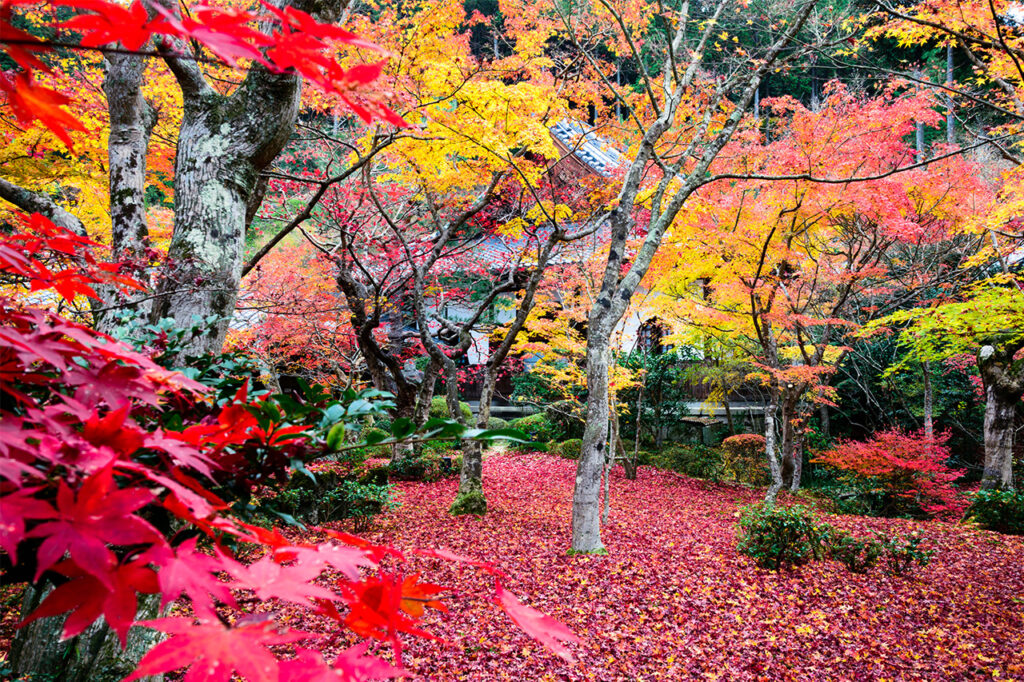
(107, 22)
(84, 524)
(541, 627)
(31, 101)
(270, 580)
(87, 598)
(183, 570)
(446, 555)
(351, 665)
(214, 652)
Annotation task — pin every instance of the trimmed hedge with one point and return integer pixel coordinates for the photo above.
(439, 409)
(570, 449)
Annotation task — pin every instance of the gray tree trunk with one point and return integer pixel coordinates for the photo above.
(586, 508)
(93, 656)
(131, 124)
(929, 426)
(1003, 378)
(771, 445)
(225, 141)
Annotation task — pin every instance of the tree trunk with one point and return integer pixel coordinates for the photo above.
(826, 425)
(470, 499)
(771, 445)
(798, 459)
(1000, 422)
(93, 656)
(929, 427)
(1003, 378)
(787, 419)
(131, 124)
(223, 145)
(586, 509)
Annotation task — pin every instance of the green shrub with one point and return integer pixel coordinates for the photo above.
(999, 510)
(858, 555)
(439, 409)
(333, 496)
(745, 459)
(496, 423)
(899, 556)
(570, 449)
(537, 427)
(698, 461)
(567, 417)
(778, 537)
(428, 467)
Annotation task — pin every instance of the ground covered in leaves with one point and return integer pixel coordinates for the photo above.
(674, 600)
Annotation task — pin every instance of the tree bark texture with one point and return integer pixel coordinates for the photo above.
(93, 656)
(1003, 378)
(929, 426)
(586, 507)
(771, 445)
(224, 143)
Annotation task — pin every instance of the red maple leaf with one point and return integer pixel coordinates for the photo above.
(542, 628)
(378, 606)
(225, 32)
(213, 651)
(31, 101)
(270, 580)
(14, 509)
(106, 22)
(87, 598)
(99, 514)
(351, 665)
(183, 570)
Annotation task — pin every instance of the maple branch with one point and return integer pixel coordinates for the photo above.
(985, 41)
(33, 202)
(185, 68)
(841, 181)
(307, 211)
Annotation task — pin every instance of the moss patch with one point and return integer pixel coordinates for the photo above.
(469, 503)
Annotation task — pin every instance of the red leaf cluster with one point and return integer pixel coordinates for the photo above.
(84, 467)
(910, 466)
(296, 43)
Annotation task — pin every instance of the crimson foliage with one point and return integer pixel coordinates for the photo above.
(106, 496)
(908, 471)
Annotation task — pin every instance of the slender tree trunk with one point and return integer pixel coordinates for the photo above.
(586, 517)
(771, 445)
(788, 405)
(798, 459)
(950, 129)
(929, 427)
(826, 426)
(131, 124)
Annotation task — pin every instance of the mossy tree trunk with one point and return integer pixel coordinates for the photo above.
(93, 656)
